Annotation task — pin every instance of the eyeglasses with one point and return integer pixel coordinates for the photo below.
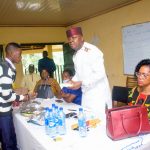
(142, 75)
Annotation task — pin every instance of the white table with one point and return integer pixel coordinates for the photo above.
(33, 137)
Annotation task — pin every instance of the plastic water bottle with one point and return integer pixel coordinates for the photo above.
(53, 108)
(62, 123)
(52, 126)
(56, 113)
(82, 123)
(46, 120)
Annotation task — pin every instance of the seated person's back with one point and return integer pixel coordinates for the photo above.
(70, 95)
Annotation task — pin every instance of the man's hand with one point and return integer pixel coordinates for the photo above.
(29, 96)
(32, 95)
(26, 97)
(21, 91)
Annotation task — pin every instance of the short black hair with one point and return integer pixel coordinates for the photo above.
(45, 53)
(46, 71)
(11, 46)
(31, 66)
(69, 71)
(144, 62)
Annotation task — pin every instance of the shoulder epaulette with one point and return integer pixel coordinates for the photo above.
(86, 49)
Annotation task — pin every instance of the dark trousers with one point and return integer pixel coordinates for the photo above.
(7, 133)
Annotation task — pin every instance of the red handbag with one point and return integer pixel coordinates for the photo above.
(127, 121)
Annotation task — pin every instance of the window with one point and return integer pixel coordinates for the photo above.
(28, 59)
(32, 57)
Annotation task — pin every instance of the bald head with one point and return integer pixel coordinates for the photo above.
(13, 52)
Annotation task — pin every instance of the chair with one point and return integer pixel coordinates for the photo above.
(131, 81)
(58, 73)
(119, 96)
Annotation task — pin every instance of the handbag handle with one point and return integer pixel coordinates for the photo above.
(140, 126)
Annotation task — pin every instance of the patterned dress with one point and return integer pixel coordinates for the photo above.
(136, 98)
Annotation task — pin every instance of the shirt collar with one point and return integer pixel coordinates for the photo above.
(84, 45)
(9, 61)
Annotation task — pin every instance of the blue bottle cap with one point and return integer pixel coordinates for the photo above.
(60, 108)
(53, 105)
(80, 109)
(56, 107)
(46, 108)
(50, 110)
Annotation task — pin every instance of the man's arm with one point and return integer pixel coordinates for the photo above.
(6, 81)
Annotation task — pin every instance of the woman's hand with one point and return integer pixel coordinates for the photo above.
(64, 94)
(51, 82)
(74, 84)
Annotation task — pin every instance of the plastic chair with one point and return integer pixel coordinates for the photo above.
(119, 96)
(131, 81)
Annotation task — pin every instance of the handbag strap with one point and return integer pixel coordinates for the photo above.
(140, 126)
(144, 97)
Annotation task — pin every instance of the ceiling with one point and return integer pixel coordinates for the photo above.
(54, 12)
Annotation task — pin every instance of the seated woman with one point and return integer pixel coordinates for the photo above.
(140, 95)
(47, 87)
(70, 95)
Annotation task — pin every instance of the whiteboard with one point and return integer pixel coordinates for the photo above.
(136, 45)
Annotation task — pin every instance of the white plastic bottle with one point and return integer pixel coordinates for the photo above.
(53, 108)
(56, 113)
(82, 123)
(62, 122)
(46, 120)
(52, 126)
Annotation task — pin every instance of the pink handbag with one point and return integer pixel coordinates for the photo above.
(127, 121)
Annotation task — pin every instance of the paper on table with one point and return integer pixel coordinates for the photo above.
(66, 85)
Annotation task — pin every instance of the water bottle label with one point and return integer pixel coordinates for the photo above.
(60, 122)
(51, 124)
(56, 120)
(81, 123)
(46, 122)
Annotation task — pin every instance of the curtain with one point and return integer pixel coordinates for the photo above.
(68, 54)
(1, 52)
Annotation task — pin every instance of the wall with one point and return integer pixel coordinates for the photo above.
(108, 28)
(30, 35)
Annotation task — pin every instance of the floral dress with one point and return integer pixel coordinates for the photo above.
(136, 98)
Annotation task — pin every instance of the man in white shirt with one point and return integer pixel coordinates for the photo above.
(89, 72)
(29, 81)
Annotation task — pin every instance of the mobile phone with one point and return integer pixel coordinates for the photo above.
(71, 114)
